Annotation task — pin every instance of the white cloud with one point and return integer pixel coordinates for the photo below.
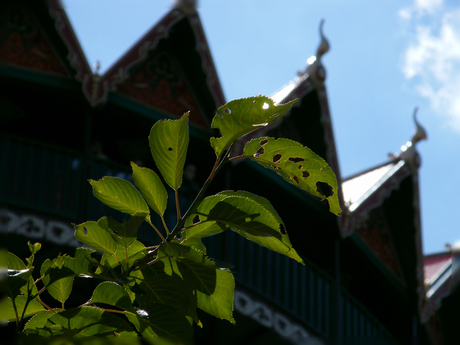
(428, 5)
(432, 58)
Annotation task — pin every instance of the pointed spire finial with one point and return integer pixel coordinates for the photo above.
(188, 6)
(420, 133)
(324, 46)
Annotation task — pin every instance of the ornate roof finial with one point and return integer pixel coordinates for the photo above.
(323, 47)
(408, 151)
(314, 66)
(187, 6)
(96, 67)
(420, 133)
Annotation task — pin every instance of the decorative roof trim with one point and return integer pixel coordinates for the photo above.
(76, 57)
(355, 217)
(207, 61)
(96, 87)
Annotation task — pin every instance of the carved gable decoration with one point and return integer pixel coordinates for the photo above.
(158, 82)
(376, 234)
(24, 44)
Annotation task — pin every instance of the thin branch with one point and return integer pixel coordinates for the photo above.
(176, 192)
(164, 224)
(235, 158)
(217, 166)
(46, 306)
(158, 231)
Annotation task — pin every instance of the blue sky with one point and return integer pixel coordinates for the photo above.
(386, 58)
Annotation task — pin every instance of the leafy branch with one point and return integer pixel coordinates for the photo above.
(156, 290)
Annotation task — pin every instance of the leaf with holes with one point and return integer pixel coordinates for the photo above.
(151, 188)
(168, 142)
(120, 195)
(298, 165)
(95, 236)
(242, 116)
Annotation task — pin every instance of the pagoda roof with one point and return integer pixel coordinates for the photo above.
(155, 73)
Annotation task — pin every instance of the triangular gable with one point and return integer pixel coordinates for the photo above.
(149, 73)
(158, 82)
(24, 43)
(376, 235)
(380, 188)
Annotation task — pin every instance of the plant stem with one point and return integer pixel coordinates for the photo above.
(217, 166)
(46, 306)
(158, 231)
(164, 224)
(176, 192)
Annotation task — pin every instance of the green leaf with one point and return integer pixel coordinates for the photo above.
(120, 195)
(168, 144)
(251, 216)
(34, 247)
(160, 320)
(85, 264)
(7, 308)
(95, 236)
(239, 210)
(18, 276)
(134, 252)
(242, 116)
(151, 188)
(35, 326)
(58, 276)
(86, 321)
(298, 165)
(124, 233)
(215, 287)
(112, 294)
(159, 285)
(196, 243)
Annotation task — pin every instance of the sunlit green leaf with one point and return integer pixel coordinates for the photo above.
(34, 247)
(87, 321)
(298, 165)
(96, 236)
(168, 144)
(35, 326)
(196, 243)
(247, 214)
(58, 276)
(120, 195)
(239, 210)
(242, 116)
(134, 252)
(112, 294)
(7, 308)
(151, 188)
